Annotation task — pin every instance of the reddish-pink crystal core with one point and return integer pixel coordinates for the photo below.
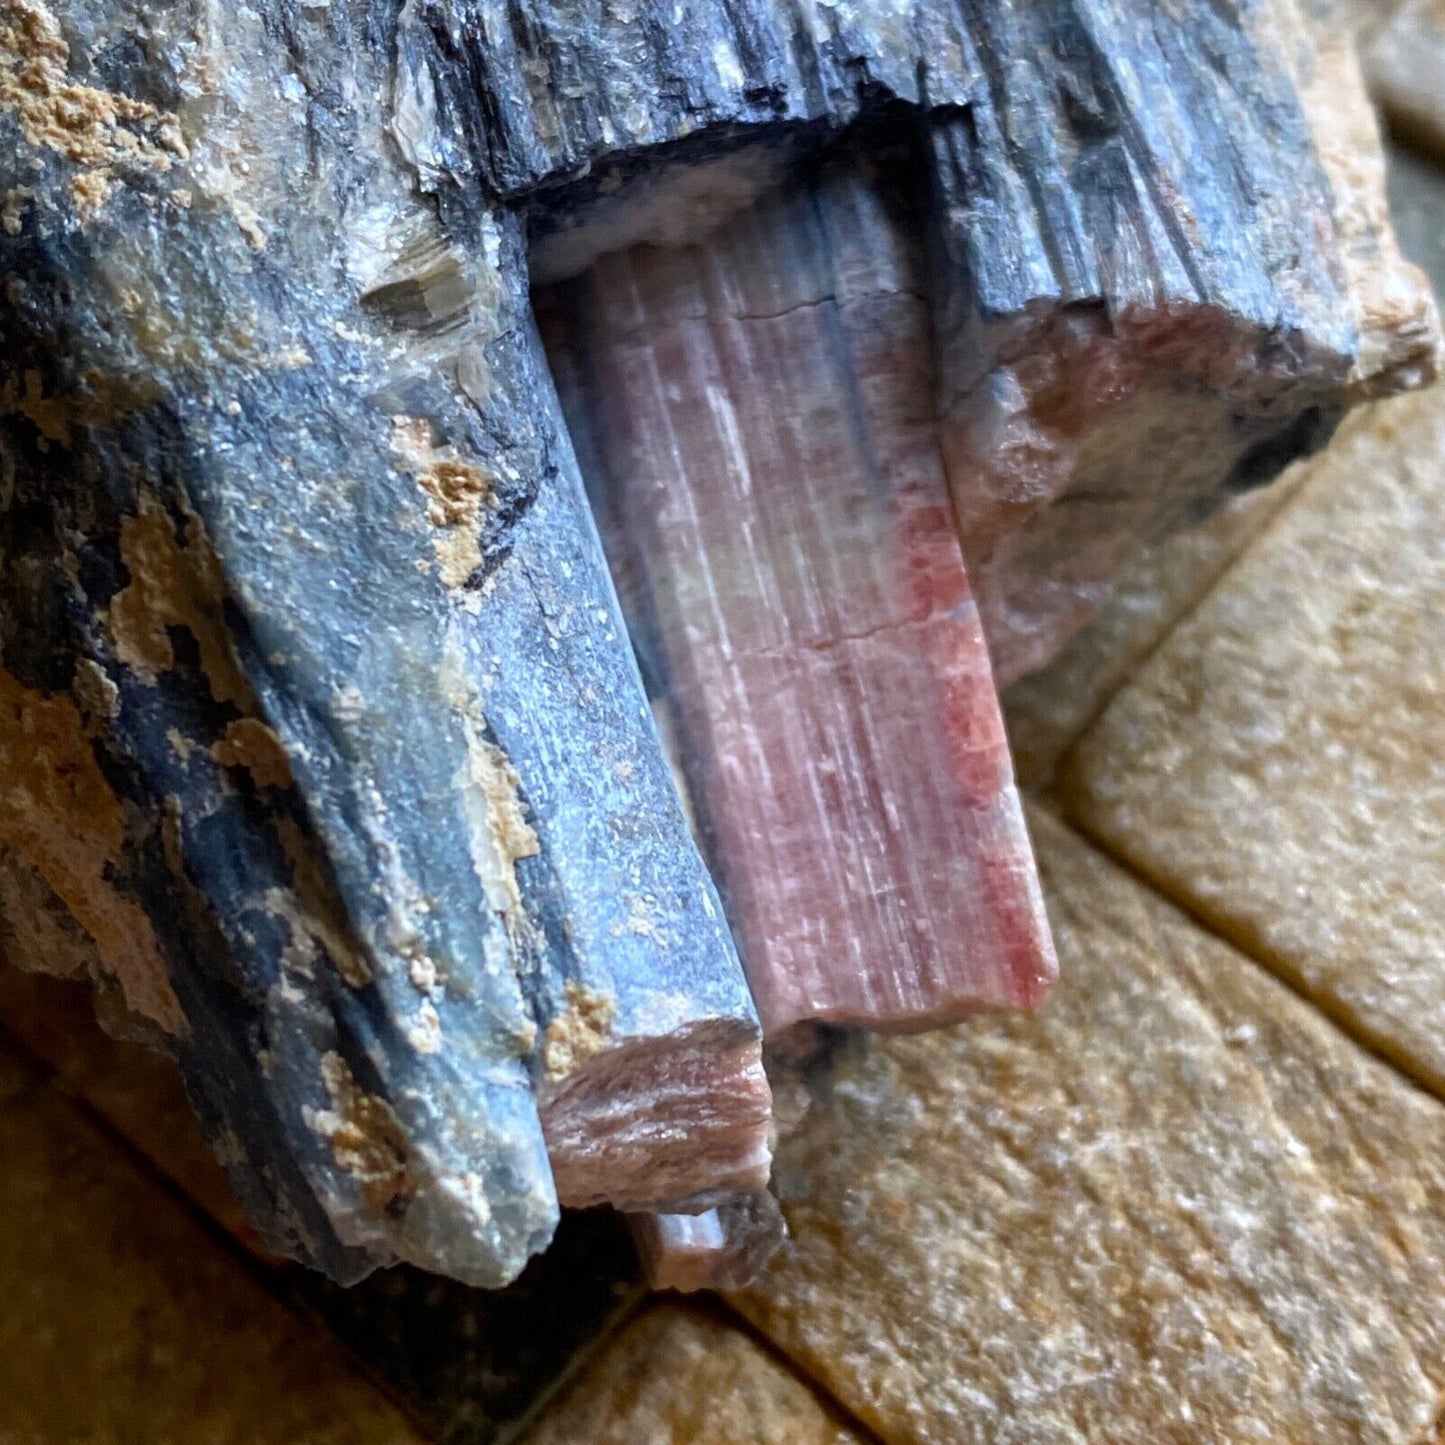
(762, 407)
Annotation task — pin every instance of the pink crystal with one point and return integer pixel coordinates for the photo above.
(665, 1122)
(762, 407)
(725, 1248)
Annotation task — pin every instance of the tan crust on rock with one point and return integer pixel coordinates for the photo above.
(101, 132)
(59, 816)
(458, 492)
(249, 744)
(365, 1137)
(578, 1032)
(172, 584)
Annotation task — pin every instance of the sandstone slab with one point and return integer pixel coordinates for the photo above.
(1417, 205)
(1176, 1205)
(1048, 711)
(1277, 765)
(1404, 59)
(138, 1092)
(679, 1377)
(725, 1248)
(466, 1364)
(122, 1319)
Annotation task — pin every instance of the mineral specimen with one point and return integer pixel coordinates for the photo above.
(1175, 1204)
(1116, 358)
(760, 407)
(317, 713)
(724, 1248)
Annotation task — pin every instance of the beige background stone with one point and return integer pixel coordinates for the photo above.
(676, 1376)
(122, 1319)
(136, 1091)
(1176, 1205)
(1045, 713)
(1404, 61)
(1279, 764)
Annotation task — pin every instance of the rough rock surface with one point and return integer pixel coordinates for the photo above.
(285, 485)
(758, 409)
(121, 1318)
(466, 1364)
(1286, 782)
(677, 1377)
(1175, 1205)
(1048, 712)
(1111, 371)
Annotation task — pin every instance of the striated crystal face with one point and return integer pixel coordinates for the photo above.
(757, 414)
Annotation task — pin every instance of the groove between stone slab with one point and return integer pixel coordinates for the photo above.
(48, 1078)
(1289, 488)
(1377, 1046)
(826, 1399)
(627, 1310)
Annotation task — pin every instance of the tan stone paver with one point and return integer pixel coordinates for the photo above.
(137, 1092)
(1176, 1205)
(675, 1376)
(1045, 713)
(1279, 763)
(122, 1320)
